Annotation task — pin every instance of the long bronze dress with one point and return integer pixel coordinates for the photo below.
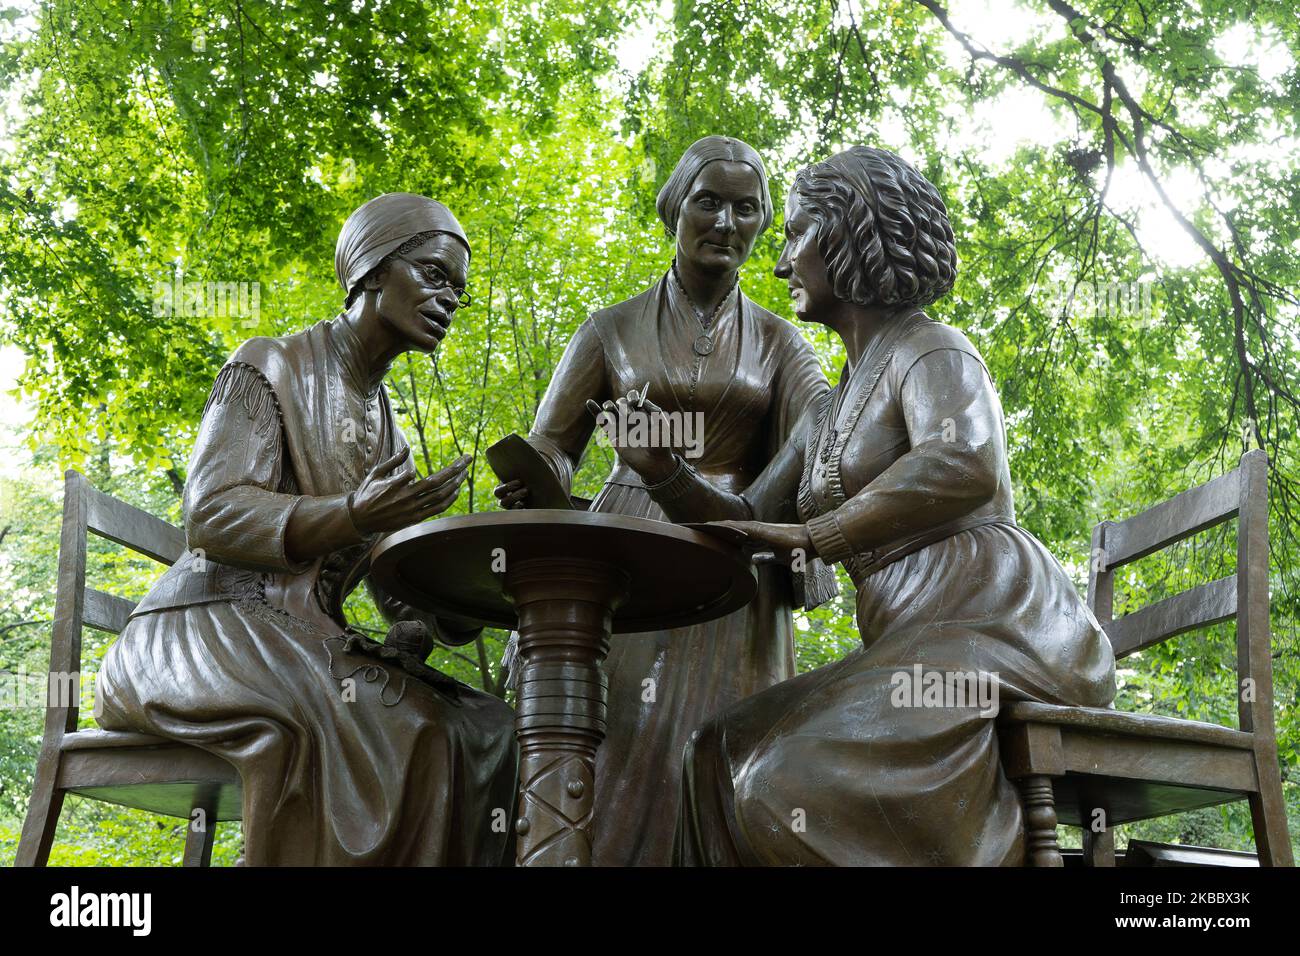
(752, 388)
(904, 478)
(346, 758)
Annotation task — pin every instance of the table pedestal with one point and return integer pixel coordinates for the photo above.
(571, 579)
(566, 610)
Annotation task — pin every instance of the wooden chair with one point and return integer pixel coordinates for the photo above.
(1071, 762)
(132, 770)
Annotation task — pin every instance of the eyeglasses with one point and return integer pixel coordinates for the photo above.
(437, 280)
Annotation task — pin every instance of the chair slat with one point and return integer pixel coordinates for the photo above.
(1198, 607)
(133, 528)
(106, 612)
(1171, 521)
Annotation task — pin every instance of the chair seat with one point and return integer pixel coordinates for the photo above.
(1132, 766)
(1133, 725)
(104, 739)
(150, 773)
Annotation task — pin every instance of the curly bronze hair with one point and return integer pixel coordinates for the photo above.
(882, 228)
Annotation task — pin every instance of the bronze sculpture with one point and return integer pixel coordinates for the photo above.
(351, 752)
(571, 579)
(903, 477)
(703, 347)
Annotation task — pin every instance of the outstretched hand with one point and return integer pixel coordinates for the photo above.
(391, 497)
(783, 543)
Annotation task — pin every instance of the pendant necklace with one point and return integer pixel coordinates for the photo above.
(703, 344)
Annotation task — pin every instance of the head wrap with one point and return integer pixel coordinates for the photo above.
(699, 154)
(380, 226)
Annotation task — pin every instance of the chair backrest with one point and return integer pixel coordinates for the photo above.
(89, 511)
(1241, 494)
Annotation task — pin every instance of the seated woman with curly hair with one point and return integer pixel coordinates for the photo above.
(890, 755)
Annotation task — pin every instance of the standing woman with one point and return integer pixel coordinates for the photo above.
(350, 752)
(703, 347)
(902, 477)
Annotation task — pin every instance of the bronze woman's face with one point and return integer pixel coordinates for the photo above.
(419, 292)
(802, 267)
(720, 217)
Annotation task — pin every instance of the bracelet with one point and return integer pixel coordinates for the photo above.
(675, 485)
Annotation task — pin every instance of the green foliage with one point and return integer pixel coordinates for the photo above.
(159, 142)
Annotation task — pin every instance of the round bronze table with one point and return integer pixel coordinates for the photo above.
(565, 580)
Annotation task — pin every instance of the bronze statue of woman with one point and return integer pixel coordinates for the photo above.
(350, 752)
(902, 477)
(705, 349)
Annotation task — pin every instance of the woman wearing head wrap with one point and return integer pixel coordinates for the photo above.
(890, 756)
(350, 752)
(710, 356)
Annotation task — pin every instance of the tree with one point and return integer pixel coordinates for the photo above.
(177, 177)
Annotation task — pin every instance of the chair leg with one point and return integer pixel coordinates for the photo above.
(1268, 818)
(198, 844)
(42, 817)
(1040, 821)
(201, 831)
(1098, 847)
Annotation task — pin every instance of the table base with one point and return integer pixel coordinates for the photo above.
(566, 610)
